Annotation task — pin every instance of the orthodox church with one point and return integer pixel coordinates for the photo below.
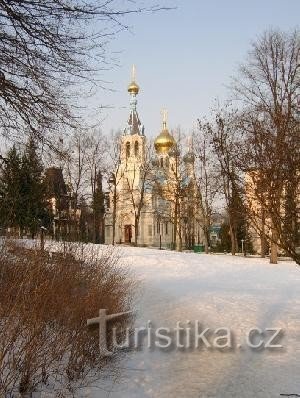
(153, 196)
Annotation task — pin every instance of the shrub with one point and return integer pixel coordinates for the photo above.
(45, 301)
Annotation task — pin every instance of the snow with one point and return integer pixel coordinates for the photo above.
(218, 291)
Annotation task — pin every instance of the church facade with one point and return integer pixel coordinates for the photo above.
(152, 199)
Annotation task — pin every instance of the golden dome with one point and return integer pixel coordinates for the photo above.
(164, 142)
(133, 88)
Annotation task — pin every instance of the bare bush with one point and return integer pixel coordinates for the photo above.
(45, 301)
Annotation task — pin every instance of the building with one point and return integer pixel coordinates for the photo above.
(71, 218)
(152, 199)
(273, 214)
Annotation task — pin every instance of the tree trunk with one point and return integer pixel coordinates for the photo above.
(179, 241)
(273, 255)
(114, 215)
(175, 225)
(206, 240)
(263, 239)
(274, 248)
(94, 227)
(263, 245)
(232, 238)
(136, 230)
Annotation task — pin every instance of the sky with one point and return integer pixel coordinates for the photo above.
(185, 57)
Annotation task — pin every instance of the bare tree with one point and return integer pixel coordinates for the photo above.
(268, 87)
(225, 140)
(47, 50)
(96, 164)
(137, 182)
(76, 164)
(115, 175)
(207, 176)
(176, 190)
(82, 159)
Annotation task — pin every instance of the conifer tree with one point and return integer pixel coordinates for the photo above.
(33, 192)
(98, 211)
(11, 210)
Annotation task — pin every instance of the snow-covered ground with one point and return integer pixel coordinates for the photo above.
(218, 291)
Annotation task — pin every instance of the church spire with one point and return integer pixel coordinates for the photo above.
(133, 87)
(164, 114)
(134, 125)
(133, 73)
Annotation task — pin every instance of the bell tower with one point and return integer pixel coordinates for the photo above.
(133, 139)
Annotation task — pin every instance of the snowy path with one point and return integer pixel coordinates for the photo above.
(219, 291)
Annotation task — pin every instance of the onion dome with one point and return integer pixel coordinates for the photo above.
(164, 141)
(133, 87)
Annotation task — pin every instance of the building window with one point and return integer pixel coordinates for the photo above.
(167, 162)
(127, 149)
(166, 228)
(150, 230)
(161, 162)
(136, 148)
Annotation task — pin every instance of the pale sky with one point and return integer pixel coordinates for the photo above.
(185, 57)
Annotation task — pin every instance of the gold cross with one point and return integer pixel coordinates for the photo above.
(164, 114)
(133, 73)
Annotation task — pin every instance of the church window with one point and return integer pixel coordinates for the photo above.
(167, 162)
(136, 148)
(127, 149)
(161, 162)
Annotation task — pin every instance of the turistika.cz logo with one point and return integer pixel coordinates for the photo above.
(186, 335)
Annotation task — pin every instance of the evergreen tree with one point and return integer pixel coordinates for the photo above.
(98, 211)
(33, 192)
(11, 209)
(83, 221)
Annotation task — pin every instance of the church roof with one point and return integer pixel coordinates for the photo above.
(134, 123)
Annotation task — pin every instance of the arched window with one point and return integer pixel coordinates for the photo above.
(161, 162)
(127, 149)
(136, 148)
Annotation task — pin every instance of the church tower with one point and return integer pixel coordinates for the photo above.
(133, 138)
